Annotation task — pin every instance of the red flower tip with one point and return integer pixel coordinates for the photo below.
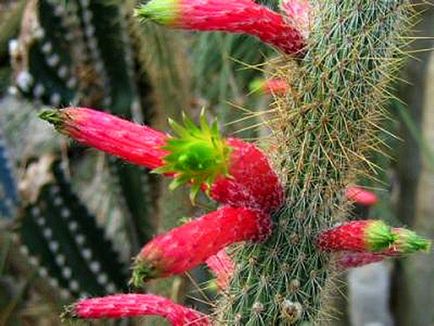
(191, 244)
(361, 196)
(273, 86)
(358, 236)
(235, 16)
(223, 268)
(135, 305)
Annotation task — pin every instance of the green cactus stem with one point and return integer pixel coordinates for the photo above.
(326, 123)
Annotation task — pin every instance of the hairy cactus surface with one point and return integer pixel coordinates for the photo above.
(326, 122)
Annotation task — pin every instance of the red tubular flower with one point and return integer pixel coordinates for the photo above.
(234, 16)
(223, 268)
(232, 171)
(358, 259)
(273, 86)
(361, 196)
(133, 142)
(191, 244)
(358, 236)
(136, 305)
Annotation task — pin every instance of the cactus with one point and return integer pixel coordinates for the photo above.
(62, 238)
(328, 120)
(9, 198)
(343, 55)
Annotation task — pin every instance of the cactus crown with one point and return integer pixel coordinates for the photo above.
(198, 154)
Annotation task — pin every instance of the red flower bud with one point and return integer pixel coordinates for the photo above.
(361, 196)
(191, 244)
(359, 236)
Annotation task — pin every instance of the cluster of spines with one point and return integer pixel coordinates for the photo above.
(324, 125)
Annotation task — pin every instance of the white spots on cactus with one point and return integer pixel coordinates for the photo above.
(80, 239)
(64, 294)
(65, 213)
(53, 60)
(99, 67)
(47, 233)
(62, 72)
(42, 271)
(90, 31)
(110, 288)
(73, 286)
(67, 272)
(95, 267)
(102, 279)
(39, 33)
(35, 211)
(71, 83)
(85, 3)
(73, 226)
(24, 80)
(14, 48)
(53, 246)
(54, 190)
(33, 261)
(93, 46)
(53, 283)
(86, 253)
(59, 10)
(39, 90)
(40, 221)
(291, 311)
(87, 16)
(69, 37)
(47, 48)
(58, 201)
(60, 260)
(24, 250)
(55, 99)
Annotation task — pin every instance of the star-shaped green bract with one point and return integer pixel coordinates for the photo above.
(198, 154)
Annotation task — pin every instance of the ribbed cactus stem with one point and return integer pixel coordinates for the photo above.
(327, 121)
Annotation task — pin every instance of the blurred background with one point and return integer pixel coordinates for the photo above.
(72, 218)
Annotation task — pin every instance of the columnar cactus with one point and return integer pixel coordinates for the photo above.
(325, 123)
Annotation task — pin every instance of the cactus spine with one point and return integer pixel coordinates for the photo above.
(326, 123)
